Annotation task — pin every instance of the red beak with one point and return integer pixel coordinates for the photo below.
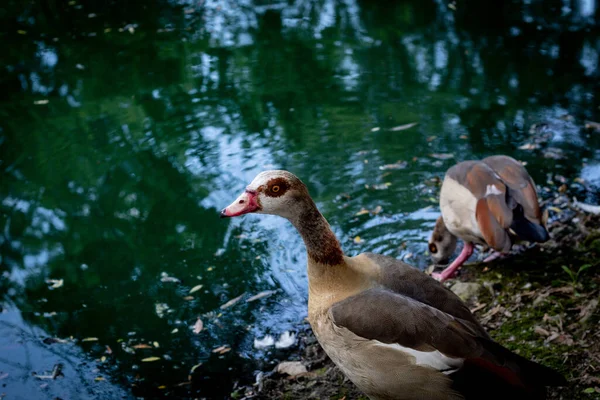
(244, 204)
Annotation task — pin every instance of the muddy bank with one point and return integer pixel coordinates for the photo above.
(542, 304)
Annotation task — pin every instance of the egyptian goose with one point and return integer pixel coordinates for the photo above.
(488, 202)
(393, 330)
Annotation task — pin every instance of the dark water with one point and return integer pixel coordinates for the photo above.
(125, 128)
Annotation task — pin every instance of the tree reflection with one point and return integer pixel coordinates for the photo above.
(123, 127)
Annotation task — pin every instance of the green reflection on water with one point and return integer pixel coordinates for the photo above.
(122, 134)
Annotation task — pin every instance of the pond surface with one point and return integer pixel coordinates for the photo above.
(124, 130)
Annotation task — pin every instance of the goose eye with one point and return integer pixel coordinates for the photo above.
(275, 189)
(432, 248)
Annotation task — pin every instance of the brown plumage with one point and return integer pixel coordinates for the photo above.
(394, 331)
(488, 202)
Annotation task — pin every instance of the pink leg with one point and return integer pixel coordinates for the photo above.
(450, 271)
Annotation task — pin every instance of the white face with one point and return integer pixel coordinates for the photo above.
(271, 192)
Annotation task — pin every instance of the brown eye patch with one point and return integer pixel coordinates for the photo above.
(433, 248)
(277, 187)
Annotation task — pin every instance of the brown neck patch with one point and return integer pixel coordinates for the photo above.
(321, 244)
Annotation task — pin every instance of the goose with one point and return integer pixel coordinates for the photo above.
(394, 331)
(491, 202)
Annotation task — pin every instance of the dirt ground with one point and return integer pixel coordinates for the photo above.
(542, 304)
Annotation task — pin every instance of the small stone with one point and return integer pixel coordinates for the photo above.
(466, 290)
(291, 368)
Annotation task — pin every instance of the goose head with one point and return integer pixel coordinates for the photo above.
(275, 192)
(442, 243)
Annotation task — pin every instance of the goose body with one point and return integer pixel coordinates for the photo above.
(395, 332)
(488, 202)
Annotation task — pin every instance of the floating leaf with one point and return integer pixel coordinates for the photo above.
(232, 302)
(375, 129)
(155, 344)
(55, 283)
(194, 368)
(358, 240)
(362, 212)
(142, 346)
(161, 309)
(22, 32)
(592, 125)
(260, 295)
(198, 326)
(90, 339)
(222, 349)
(403, 127)
(442, 156)
(99, 379)
(396, 165)
(195, 288)
(150, 359)
(41, 102)
(529, 146)
(175, 330)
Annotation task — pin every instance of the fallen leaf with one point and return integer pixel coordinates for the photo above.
(195, 288)
(188, 298)
(53, 340)
(194, 368)
(90, 339)
(593, 209)
(198, 326)
(261, 295)
(232, 302)
(479, 307)
(222, 349)
(529, 146)
(108, 350)
(588, 310)
(396, 165)
(56, 283)
(291, 368)
(155, 344)
(362, 212)
(375, 129)
(358, 240)
(142, 346)
(99, 379)
(41, 102)
(541, 331)
(150, 359)
(592, 125)
(403, 127)
(442, 156)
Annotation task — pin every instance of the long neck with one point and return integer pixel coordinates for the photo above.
(321, 244)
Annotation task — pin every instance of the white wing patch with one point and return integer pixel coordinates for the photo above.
(433, 359)
(491, 190)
